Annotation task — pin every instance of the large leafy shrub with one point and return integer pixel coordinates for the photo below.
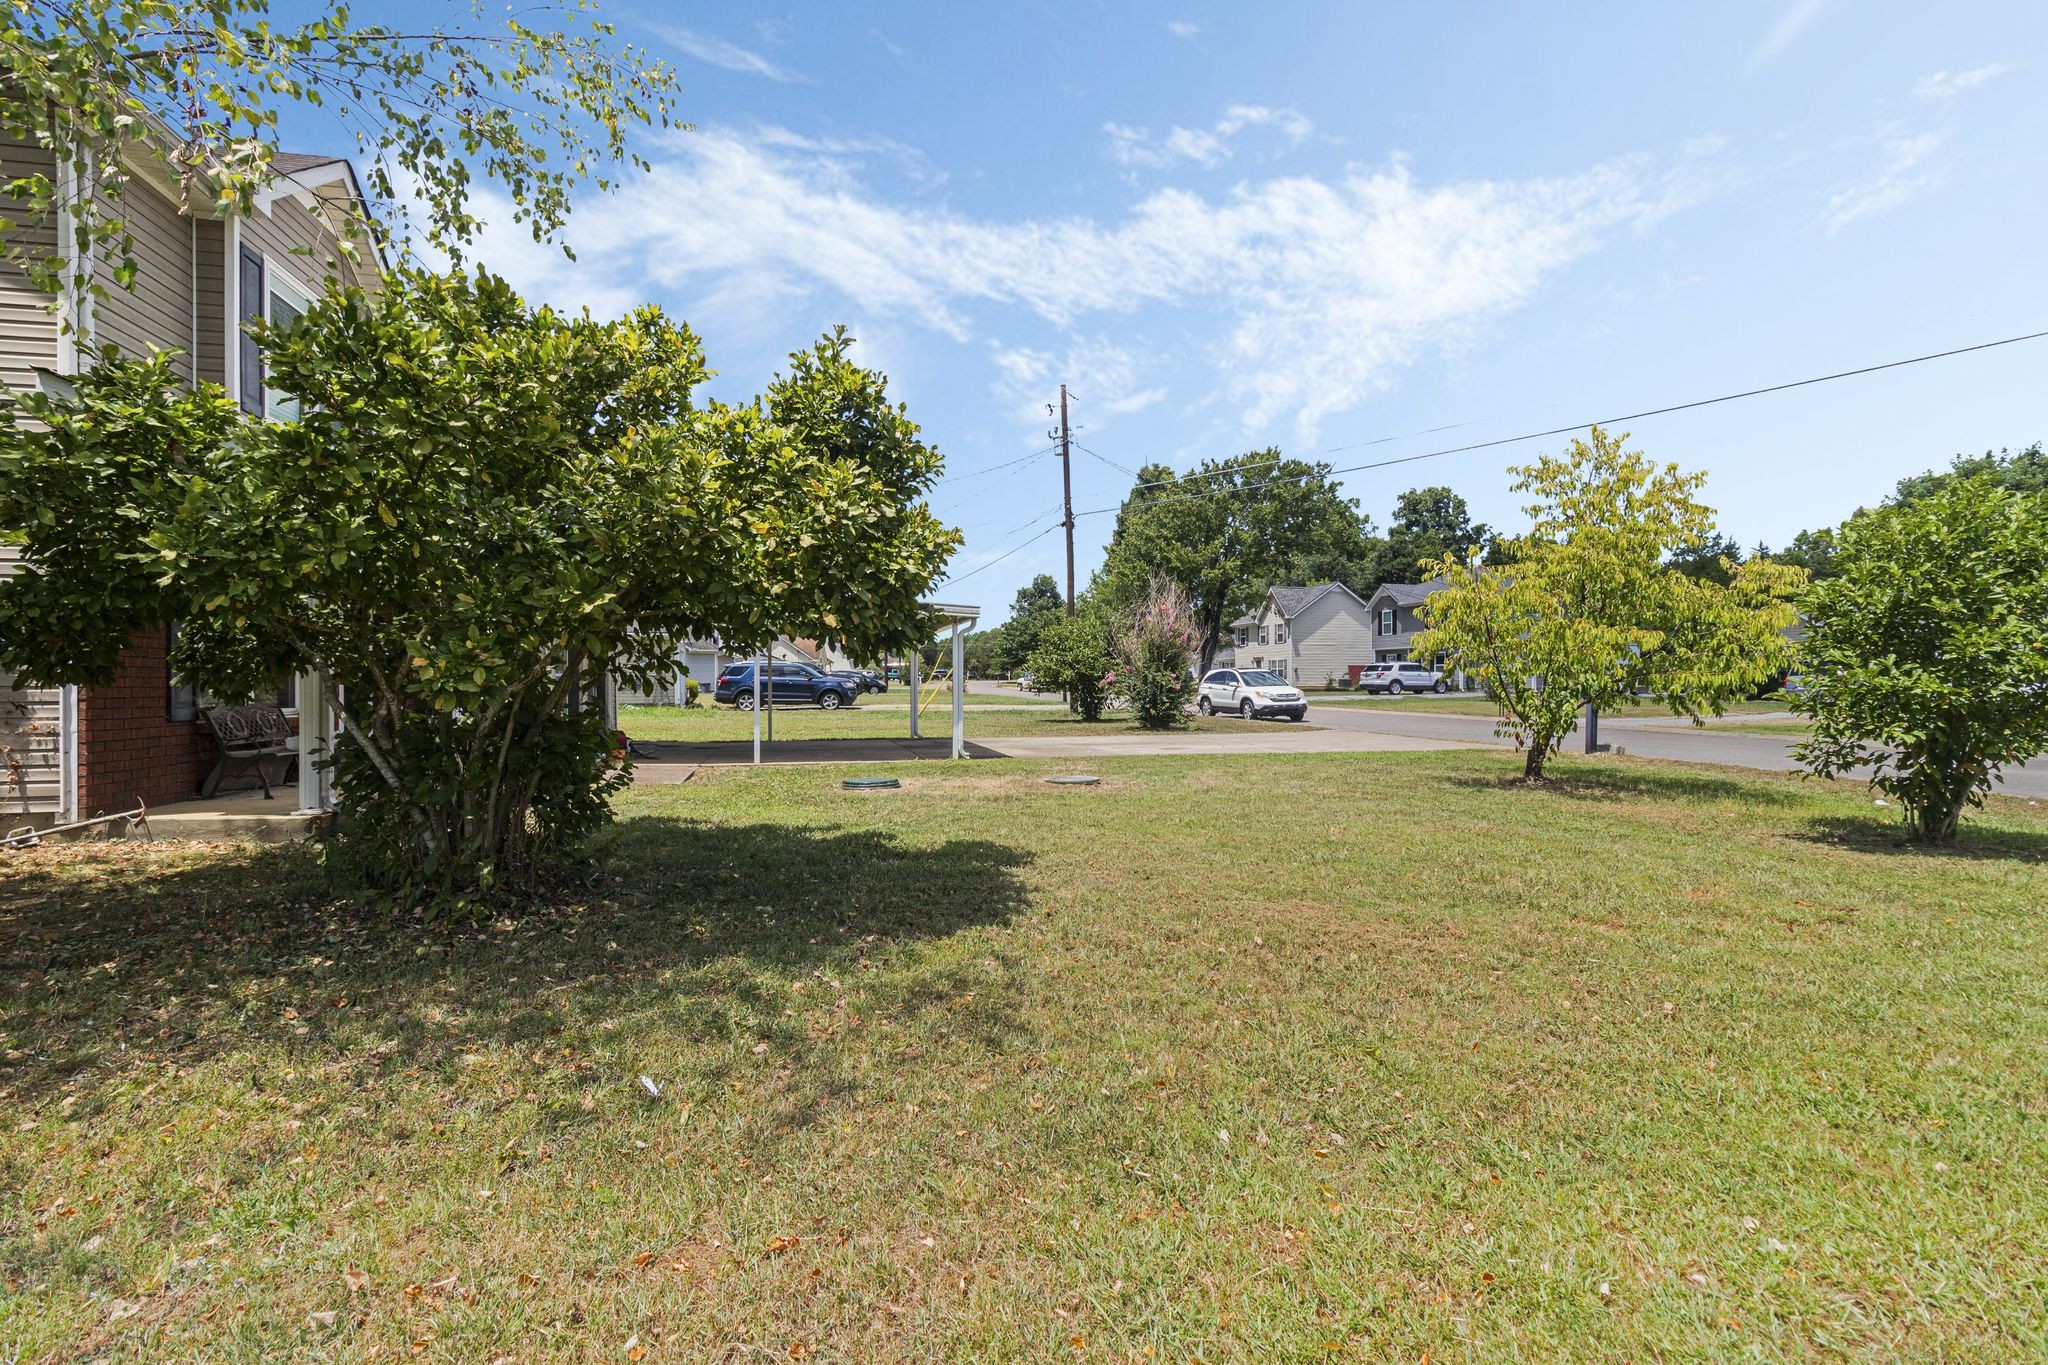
(483, 506)
(1926, 655)
(1076, 655)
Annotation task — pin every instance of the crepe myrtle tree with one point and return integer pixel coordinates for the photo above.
(1586, 610)
(1926, 654)
(482, 507)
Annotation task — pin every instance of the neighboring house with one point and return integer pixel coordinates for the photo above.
(85, 751)
(701, 659)
(1394, 621)
(1308, 636)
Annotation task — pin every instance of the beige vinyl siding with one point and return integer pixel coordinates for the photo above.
(30, 781)
(213, 302)
(298, 243)
(28, 329)
(155, 313)
(1327, 637)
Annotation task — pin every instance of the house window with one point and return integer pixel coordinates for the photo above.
(1279, 635)
(1280, 669)
(1386, 620)
(1244, 635)
(184, 703)
(266, 293)
(1263, 633)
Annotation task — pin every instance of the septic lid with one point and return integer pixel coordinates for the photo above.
(870, 784)
(1075, 780)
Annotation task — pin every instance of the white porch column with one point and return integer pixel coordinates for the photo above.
(316, 745)
(910, 672)
(760, 670)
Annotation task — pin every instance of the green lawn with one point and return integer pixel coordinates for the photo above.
(871, 722)
(1655, 1064)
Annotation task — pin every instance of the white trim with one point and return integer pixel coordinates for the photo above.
(231, 291)
(67, 753)
(960, 629)
(75, 328)
(304, 185)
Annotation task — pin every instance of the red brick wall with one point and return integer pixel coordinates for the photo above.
(128, 751)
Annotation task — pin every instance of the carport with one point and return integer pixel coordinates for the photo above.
(954, 621)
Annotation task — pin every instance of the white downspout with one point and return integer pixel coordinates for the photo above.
(67, 753)
(910, 670)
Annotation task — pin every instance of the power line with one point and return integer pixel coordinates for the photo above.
(996, 468)
(1581, 426)
(1001, 557)
(1106, 460)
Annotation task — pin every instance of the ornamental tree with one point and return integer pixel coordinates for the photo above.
(1926, 655)
(482, 507)
(1585, 610)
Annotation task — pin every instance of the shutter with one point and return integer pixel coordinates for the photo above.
(251, 307)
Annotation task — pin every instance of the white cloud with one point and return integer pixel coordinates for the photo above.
(1317, 292)
(1184, 29)
(718, 52)
(1117, 384)
(1941, 85)
(1797, 18)
(1906, 172)
(1204, 146)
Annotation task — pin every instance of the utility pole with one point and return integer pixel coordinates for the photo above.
(1067, 484)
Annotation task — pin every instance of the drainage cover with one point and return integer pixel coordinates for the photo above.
(1074, 780)
(870, 784)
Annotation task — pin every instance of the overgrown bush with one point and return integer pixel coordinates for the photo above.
(1155, 654)
(1926, 655)
(1076, 655)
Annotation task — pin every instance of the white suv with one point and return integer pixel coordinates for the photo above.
(1251, 693)
(1396, 678)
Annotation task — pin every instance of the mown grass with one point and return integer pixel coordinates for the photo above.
(1653, 1063)
(873, 722)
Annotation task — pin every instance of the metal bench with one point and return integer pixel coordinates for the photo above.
(250, 737)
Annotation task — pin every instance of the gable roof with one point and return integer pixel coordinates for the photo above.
(1411, 594)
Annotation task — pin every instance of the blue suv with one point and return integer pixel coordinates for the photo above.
(794, 684)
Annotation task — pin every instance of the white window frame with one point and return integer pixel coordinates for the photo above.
(1386, 620)
(1280, 635)
(277, 280)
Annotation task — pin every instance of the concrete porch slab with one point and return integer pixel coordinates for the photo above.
(243, 815)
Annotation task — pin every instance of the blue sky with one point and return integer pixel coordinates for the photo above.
(1314, 226)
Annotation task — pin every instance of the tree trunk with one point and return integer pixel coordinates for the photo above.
(1533, 760)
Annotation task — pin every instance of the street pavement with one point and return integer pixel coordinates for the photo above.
(1649, 736)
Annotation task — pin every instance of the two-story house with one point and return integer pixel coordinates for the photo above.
(71, 752)
(1309, 635)
(1395, 623)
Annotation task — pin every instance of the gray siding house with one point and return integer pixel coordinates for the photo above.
(1310, 636)
(1394, 621)
(67, 751)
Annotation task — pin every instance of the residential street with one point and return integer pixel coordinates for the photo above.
(1648, 735)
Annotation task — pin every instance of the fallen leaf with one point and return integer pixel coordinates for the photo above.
(778, 1245)
(356, 1280)
(122, 1308)
(642, 1258)
(324, 1318)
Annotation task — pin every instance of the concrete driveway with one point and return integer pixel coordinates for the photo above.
(1652, 736)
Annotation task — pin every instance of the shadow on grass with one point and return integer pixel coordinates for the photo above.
(125, 961)
(1867, 834)
(1593, 780)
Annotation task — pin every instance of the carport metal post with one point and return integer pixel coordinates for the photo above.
(764, 686)
(959, 689)
(757, 712)
(910, 669)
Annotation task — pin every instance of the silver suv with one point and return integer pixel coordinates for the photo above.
(1251, 693)
(1405, 676)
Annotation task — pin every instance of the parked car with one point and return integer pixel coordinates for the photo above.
(1253, 694)
(794, 685)
(863, 679)
(1404, 676)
